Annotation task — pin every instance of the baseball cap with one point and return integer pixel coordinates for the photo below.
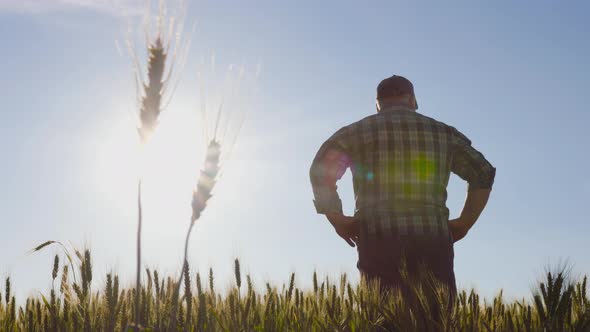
(395, 86)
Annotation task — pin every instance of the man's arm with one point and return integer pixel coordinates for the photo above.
(470, 165)
(474, 204)
(329, 165)
(346, 227)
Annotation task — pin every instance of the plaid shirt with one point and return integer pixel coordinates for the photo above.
(401, 162)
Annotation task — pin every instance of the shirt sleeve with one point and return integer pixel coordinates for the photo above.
(470, 164)
(329, 165)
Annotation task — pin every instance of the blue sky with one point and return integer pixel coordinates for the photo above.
(512, 76)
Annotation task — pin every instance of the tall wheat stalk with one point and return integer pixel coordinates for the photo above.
(148, 114)
(201, 195)
(160, 69)
(225, 121)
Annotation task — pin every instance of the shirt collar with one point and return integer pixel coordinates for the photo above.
(396, 108)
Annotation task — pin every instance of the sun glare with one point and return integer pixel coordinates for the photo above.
(169, 164)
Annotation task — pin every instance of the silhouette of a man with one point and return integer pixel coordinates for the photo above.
(401, 162)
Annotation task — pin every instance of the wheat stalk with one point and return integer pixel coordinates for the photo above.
(224, 122)
(149, 112)
(201, 196)
(160, 70)
(148, 115)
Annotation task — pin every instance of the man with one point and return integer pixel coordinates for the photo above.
(401, 161)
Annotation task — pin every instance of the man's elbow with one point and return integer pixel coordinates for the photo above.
(485, 181)
(491, 177)
(314, 175)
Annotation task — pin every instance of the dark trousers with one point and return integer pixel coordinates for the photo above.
(385, 258)
(407, 264)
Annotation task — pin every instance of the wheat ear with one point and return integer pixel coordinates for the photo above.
(201, 195)
(152, 98)
(148, 115)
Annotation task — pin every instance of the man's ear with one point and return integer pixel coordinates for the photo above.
(413, 102)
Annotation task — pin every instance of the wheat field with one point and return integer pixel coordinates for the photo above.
(190, 301)
(75, 303)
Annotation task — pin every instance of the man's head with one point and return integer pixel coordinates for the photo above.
(396, 91)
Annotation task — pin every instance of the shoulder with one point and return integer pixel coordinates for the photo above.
(364, 122)
(455, 133)
(353, 127)
(433, 121)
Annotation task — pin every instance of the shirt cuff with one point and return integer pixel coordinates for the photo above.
(484, 182)
(324, 206)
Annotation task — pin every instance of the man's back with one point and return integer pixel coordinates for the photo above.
(401, 161)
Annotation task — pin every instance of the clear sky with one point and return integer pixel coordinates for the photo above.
(512, 76)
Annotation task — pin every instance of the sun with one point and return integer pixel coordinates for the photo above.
(168, 164)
